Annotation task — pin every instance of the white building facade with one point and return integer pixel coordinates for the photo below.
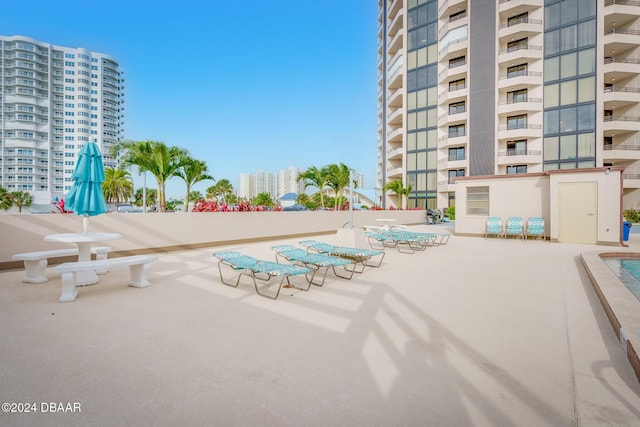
(53, 100)
(481, 88)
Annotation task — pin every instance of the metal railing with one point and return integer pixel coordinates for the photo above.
(621, 119)
(516, 152)
(610, 147)
(621, 2)
(614, 60)
(621, 31)
(520, 21)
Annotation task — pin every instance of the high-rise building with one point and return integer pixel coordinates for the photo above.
(473, 88)
(288, 181)
(53, 100)
(246, 186)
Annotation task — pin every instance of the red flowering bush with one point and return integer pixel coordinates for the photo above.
(243, 206)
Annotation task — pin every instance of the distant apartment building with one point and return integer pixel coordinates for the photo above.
(53, 100)
(481, 88)
(246, 186)
(277, 184)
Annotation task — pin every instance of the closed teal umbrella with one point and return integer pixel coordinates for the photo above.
(86, 197)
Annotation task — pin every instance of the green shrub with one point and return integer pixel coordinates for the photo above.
(632, 215)
(451, 213)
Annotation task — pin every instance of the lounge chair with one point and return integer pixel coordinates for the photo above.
(258, 269)
(535, 228)
(407, 240)
(359, 256)
(493, 226)
(514, 227)
(314, 261)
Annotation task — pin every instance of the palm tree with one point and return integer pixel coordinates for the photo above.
(21, 198)
(263, 199)
(151, 197)
(6, 199)
(221, 188)
(192, 171)
(314, 177)
(117, 185)
(338, 179)
(399, 190)
(155, 157)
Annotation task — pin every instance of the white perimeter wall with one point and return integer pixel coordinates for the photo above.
(172, 231)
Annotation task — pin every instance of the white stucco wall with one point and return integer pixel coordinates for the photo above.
(171, 231)
(537, 195)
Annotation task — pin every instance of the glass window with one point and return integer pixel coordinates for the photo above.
(568, 92)
(516, 169)
(432, 117)
(551, 96)
(518, 19)
(421, 182)
(432, 180)
(567, 147)
(569, 10)
(478, 200)
(421, 142)
(457, 107)
(586, 117)
(456, 153)
(587, 9)
(411, 141)
(551, 148)
(421, 160)
(421, 120)
(552, 16)
(568, 119)
(517, 96)
(411, 121)
(422, 57)
(568, 65)
(412, 58)
(456, 85)
(411, 100)
(587, 89)
(587, 61)
(518, 44)
(412, 80)
(456, 131)
(587, 145)
(569, 38)
(551, 122)
(422, 99)
(432, 96)
(517, 122)
(432, 160)
(587, 33)
(432, 53)
(551, 42)
(411, 161)
(551, 69)
(517, 148)
(432, 138)
(457, 62)
(517, 70)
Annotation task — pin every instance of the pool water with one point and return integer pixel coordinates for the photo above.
(628, 270)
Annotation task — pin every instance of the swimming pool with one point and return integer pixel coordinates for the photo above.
(628, 271)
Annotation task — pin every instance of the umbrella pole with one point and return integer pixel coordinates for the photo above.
(85, 223)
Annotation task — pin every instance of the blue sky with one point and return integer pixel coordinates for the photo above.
(243, 85)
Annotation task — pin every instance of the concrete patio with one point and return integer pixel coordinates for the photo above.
(480, 332)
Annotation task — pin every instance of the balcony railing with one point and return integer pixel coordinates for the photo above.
(621, 31)
(622, 2)
(520, 21)
(610, 89)
(520, 100)
(631, 176)
(613, 60)
(517, 48)
(609, 147)
(516, 152)
(621, 119)
(518, 127)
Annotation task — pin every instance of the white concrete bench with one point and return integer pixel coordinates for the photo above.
(35, 263)
(138, 270)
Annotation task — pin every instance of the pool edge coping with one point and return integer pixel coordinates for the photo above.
(615, 301)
